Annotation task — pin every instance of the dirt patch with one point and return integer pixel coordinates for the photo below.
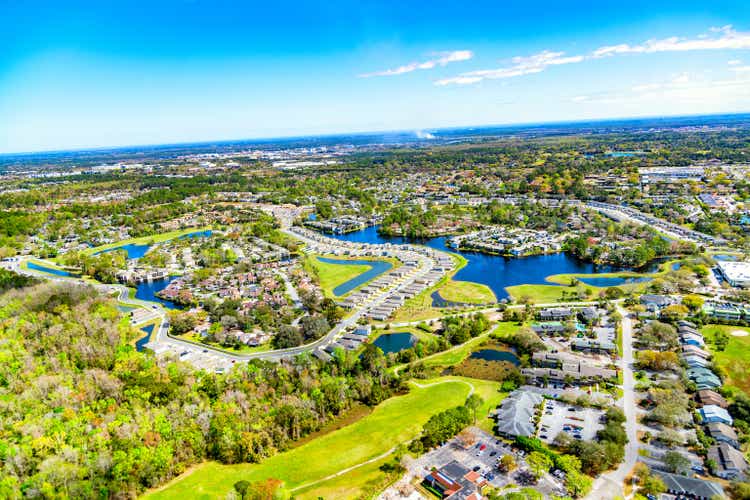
(740, 333)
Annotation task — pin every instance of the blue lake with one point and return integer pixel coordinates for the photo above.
(495, 355)
(495, 271)
(605, 282)
(395, 342)
(148, 290)
(197, 234)
(134, 251)
(141, 342)
(50, 270)
(377, 267)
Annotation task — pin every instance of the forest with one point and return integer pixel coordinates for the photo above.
(84, 415)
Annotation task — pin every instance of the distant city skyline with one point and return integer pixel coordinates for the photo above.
(88, 75)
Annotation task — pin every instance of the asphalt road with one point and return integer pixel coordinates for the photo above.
(610, 485)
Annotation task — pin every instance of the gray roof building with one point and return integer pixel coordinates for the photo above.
(516, 413)
(689, 487)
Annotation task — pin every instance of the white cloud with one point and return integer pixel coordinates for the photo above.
(740, 69)
(580, 98)
(442, 59)
(527, 65)
(723, 38)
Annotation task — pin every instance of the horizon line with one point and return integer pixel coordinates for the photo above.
(365, 133)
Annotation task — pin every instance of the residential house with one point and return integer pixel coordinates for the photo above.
(713, 413)
(730, 463)
(555, 313)
(594, 346)
(694, 351)
(709, 397)
(690, 487)
(515, 417)
(723, 433)
(548, 327)
(655, 303)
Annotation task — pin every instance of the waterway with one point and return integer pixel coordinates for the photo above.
(395, 342)
(495, 355)
(147, 291)
(141, 342)
(377, 267)
(50, 270)
(497, 272)
(136, 251)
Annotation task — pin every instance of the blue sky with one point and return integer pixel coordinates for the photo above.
(86, 74)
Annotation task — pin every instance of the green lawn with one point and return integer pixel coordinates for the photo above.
(362, 482)
(394, 421)
(541, 294)
(467, 292)
(333, 275)
(734, 360)
(143, 240)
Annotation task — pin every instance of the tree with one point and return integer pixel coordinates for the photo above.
(578, 484)
(538, 463)
(373, 360)
(473, 403)
(507, 463)
(287, 336)
(652, 484)
(693, 302)
(676, 462)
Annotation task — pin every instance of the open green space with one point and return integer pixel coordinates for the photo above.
(146, 240)
(543, 294)
(363, 482)
(332, 275)
(458, 353)
(467, 292)
(733, 360)
(395, 421)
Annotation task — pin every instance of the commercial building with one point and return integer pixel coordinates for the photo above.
(736, 273)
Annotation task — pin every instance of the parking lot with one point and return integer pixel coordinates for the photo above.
(579, 423)
(481, 456)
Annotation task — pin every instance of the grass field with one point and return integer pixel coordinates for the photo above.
(362, 482)
(467, 292)
(542, 294)
(143, 240)
(333, 275)
(734, 360)
(394, 421)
